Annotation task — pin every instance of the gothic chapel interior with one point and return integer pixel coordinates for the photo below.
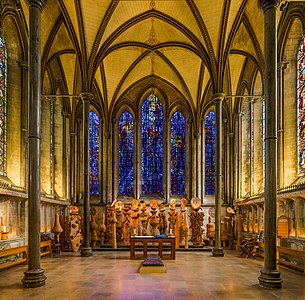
(105, 102)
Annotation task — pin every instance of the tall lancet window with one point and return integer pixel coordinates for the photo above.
(126, 143)
(301, 105)
(3, 78)
(152, 146)
(178, 128)
(210, 153)
(94, 142)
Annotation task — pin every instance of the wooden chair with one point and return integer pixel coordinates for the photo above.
(247, 247)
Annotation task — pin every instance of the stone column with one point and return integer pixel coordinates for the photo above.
(167, 152)
(225, 162)
(107, 138)
(86, 249)
(270, 277)
(239, 161)
(231, 168)
(218, 98)
(198, 165)
(137, 156)
(78, 166)
(34, 276)
(64, 154)
(72, 167)
(24, 122)
(115, 158)
(281, 66)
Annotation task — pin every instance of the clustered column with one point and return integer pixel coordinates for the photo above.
(270, 277)
(34, 276)
(86, 249)
(218, 98)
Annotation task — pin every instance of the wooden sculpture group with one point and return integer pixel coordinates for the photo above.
(121, 221)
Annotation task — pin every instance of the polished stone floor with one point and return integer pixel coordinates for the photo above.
(111, 275)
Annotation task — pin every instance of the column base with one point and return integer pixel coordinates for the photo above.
(86, 252)
(34, 278)
(217, 252)
(270, 279)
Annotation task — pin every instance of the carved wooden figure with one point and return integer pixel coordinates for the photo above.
(93, 227)
(162, 219)
(154, 218)
(183, 225)
(74, 229)
(144, 217)
(172, 217)
(102, 229)
(135, 217)
(196, 219)
(126, 225)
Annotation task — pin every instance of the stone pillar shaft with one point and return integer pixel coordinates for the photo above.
(231, 168)
(137, 155)
(72, 167)
(270, 277)
(167, 149)
(218, 250)
(34, 276)
(86, 249)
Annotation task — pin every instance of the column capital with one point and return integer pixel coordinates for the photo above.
(218, 97)
(22, 64)
(197, 135)
(282, 65)
(267, 4)
(72, 134)
(37, 3)
(86, 97)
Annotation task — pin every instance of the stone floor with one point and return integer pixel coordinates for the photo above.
(111, 275)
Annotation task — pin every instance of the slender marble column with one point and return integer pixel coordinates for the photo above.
(270, 277)
(197, 137)
(225, 162)
(78, 167)
(167, 149)
(218, 250)
(107, 138)
(231, 168)
(24, 122)
(34, 276)
(137, 157)
(281, 67)
(86, 249)
(72, 167)
(64, 154)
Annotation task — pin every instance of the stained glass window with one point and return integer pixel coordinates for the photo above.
(210, 153)
(126, 142)
(152, 145)
(178, 154)
(3, 78)
(301, 105)
(94, 140)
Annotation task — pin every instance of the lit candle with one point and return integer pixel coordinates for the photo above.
(171, 231)
(4, 228)
(134, 231)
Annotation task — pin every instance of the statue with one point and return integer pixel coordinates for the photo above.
(126, 225)
(183, 226)
(210, 232)
(172, 217)
(111, 224)
(93, 227)
(144, 217)
(74, 229)
(154, 218)
(162, 219)
(134, 217)
(119, 216)
(102, 229)
(196, 219)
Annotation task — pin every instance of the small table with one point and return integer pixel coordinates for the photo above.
(151, 239)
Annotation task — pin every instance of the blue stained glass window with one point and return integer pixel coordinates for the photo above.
(152, 146)
(210, 153)
(126, 142)
(94, 141)
(3, 78)
(301, 105)
(178, 127)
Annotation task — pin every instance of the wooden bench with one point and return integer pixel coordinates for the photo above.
(284, 250)
(22, 250)
(21, 254)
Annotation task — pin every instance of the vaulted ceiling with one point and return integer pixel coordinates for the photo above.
(192, 47)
